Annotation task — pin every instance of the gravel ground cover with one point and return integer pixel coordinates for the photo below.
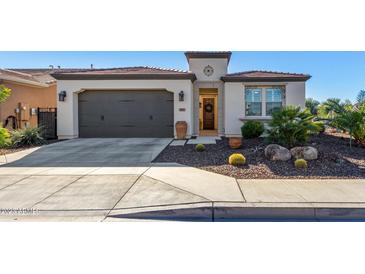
(335, 159)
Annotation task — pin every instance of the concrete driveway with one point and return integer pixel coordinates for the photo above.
(94, 152)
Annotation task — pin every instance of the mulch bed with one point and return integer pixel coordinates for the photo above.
(335, 160)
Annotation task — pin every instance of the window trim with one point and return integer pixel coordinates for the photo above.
(263, 99)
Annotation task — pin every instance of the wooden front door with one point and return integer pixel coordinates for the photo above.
(208, 113)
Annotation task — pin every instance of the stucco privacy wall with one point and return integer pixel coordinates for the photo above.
(67, 111)
(234, 102)
(34, 97)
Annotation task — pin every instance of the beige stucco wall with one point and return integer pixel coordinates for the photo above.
(234, 103)
(295, 94)
(219, 65)
(33, 97)
(67, 119)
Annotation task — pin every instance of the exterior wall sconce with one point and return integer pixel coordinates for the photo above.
(181, 96)
(62, 96)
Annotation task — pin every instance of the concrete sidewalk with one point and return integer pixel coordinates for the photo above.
(170, 192)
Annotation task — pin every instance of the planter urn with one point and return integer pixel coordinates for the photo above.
(181, 129)
(235, 142)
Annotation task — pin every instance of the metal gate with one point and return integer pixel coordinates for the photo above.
(47, 120)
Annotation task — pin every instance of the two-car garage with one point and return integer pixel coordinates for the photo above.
(130, 102)
(126, 113)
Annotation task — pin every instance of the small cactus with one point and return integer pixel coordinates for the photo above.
(237, 159)
(301, 163)
(200, 147)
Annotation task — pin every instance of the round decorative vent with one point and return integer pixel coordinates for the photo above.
(208, 70)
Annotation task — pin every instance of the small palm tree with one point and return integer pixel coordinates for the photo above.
(333, 106)
(290, 126)
(312, 105)
(351, 121)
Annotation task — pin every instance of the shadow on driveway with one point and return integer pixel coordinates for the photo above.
(95, 152)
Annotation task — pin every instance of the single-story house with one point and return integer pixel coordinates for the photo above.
(30, 89)
(148, 101)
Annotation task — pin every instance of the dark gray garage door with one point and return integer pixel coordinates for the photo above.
(126, 114)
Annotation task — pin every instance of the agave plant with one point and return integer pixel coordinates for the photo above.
(27, 137)
(290, 126)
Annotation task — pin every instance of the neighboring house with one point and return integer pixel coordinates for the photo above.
(147, 101)
(30, 89)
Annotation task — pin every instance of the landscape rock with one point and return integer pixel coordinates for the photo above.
(277, 153)
(306, 153)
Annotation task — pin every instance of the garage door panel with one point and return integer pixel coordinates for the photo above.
(126, 114)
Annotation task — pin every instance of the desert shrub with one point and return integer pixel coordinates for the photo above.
(359, 135)
(200, 147)
(300, 163)
(322, 126)
(237, 159)
(351, 121)
(291, 126)
(5, 139)
(252, 129)
(27, 137)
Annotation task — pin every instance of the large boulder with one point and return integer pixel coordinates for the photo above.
(306, 153)
(277, 153)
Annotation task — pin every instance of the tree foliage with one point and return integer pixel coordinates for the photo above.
(351, 120)
(361, 97)
(4, 93)
(312, 105)
(4, 137)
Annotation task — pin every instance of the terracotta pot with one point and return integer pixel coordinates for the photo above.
(181, 129)
(235, 142)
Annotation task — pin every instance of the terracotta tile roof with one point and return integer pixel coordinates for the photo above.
(123, 70)
(43, 75)
(141, 72)
(208, 54)
(26, 78)
(261, 75)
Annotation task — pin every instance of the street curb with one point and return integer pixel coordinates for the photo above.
(208, 212)
(188, 212)
(239, 212)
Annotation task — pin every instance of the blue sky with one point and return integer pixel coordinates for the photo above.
(334, 74)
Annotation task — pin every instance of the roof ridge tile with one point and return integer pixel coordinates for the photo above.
(265, 71)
